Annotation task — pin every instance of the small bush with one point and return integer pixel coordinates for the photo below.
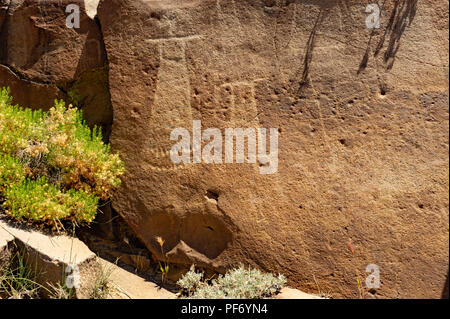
(239, 283)
(102, 288)
(18, 281)
(12, 171)
(37, 200)
(52, 165)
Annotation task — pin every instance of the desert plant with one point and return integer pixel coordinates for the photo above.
(102, 285)
(52, 165)
(38, 199)
(163, 267)
(239, 283)
(11, 171)
(191, 281)
(18, 281)
(60, 291)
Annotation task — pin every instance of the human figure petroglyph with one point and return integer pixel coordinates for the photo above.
(173, 77)
(172, 101)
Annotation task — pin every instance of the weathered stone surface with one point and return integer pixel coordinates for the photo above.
(289, 293)
(37, 43)
(90, 93)
(126, 285)
(4, 4)
(363, 119)
(27, 93)
(50, 256)
(363, 125)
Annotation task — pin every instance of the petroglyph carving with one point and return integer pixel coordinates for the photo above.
(172, 103)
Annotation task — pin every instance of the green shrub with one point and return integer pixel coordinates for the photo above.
(239, 283)
(52, 165)
(38, 200)
(11, 171)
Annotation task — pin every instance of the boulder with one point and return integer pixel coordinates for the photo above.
(27, 93)
(40, 46)
(362, 121)
(361, 116)
(42, 59)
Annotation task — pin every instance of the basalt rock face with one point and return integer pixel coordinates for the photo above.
(41, 59)
(4, 4)
(40, 46)
(362, 117)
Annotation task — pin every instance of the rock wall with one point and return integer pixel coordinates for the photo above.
(41, 59)
(362, 119)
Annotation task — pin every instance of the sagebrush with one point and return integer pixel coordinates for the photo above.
(53, 167)
(239, 283)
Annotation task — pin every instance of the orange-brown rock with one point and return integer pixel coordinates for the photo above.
(362, 119)
(42, 59)
(37, 43)
(363, 137)
(4, 4)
